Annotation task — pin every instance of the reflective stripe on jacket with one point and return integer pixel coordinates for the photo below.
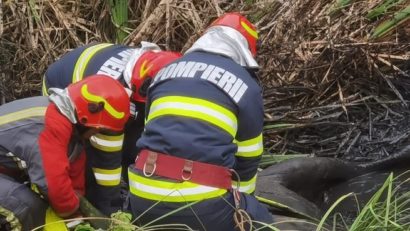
(206, 108)
(101, 58)
(105, 152)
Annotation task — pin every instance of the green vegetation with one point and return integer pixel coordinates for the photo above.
(382, 8)
(387, 26)
(119, 16)
(386, 210)
(338, 5)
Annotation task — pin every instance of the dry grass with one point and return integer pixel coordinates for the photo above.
(337, 92)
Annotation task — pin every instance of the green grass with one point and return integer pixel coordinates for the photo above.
(338, 5)
(119, 17)
(386, 210)
(388, 8)
(33, 9)
(382, 9)
(387, 26)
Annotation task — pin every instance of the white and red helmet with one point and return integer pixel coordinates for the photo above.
(242, 25)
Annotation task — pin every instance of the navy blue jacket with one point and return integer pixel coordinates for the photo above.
(207, 108)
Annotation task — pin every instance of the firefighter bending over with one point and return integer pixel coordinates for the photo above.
(134, 68)
(42, 159)
(203, 136)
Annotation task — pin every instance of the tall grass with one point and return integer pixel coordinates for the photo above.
(388, 209)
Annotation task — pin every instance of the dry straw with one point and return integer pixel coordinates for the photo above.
(332, 85)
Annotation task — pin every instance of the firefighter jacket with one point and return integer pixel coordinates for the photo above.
(107, 150)
(203, 107)
(101, 58)
(41, 143)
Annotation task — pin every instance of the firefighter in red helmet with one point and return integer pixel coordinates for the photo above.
(134, 68)
(202, 143)
(42, 139)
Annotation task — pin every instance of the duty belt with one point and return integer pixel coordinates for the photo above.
(177, 168)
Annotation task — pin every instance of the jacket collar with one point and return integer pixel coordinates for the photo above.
(63, 102)
(227, 42)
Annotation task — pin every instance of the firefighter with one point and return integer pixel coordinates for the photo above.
(42, 157)
(133, 68)
(202, 141)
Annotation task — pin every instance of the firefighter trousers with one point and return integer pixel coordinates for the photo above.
(211, 214)
(20, 207)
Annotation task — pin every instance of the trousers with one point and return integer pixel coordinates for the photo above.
(211, 214)
(19, 202)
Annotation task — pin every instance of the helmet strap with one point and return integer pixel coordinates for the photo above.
(144, 86)
(80, 129)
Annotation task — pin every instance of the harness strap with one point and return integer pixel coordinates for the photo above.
(13, 173)
(183, 169)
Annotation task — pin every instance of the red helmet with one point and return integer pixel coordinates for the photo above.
(100, 102)
(146, 67)
(241, 24)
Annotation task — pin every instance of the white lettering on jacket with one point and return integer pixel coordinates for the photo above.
(222, 78)
(115, 65)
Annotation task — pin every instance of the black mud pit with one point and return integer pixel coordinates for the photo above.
(305, 188)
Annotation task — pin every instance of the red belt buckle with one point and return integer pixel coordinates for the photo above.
(187, 170)
(150, 164)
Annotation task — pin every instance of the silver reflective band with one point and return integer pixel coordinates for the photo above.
(101, 176)
(247, 188)
(200, 189)
(106, 143)
(250, 148)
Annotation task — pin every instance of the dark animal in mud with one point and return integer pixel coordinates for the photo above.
(305, 188)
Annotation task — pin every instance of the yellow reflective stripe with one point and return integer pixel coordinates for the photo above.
(83, 60)
(144, 70)
(250, 148)
(107, 177)
(245, 186)
(171, 191)
(251, 31)
(194, 108)
(44, 88)
(96, 99)
(107, 143)
(23, 114)
(53, 222)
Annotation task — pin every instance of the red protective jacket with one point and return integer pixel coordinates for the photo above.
(63, 178)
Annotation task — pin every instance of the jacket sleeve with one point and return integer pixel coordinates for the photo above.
(53, 144)
(104, 155)
(249, 140)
